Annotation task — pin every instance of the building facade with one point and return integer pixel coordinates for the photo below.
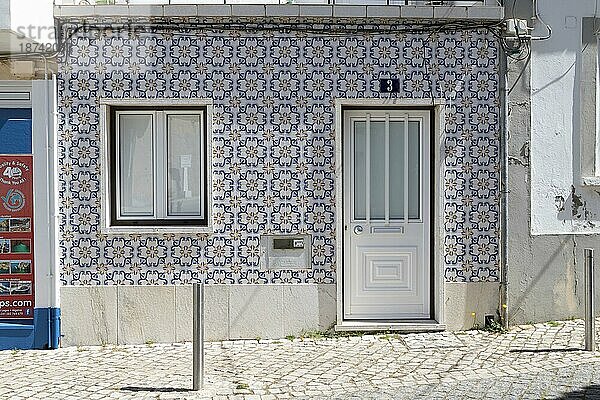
(314, 166)
(553, 162)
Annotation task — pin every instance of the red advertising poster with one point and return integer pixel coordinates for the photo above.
(16, 237)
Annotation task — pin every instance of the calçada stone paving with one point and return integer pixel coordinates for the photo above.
(529, 362)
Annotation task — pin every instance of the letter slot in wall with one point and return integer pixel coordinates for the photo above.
(288, 243)
(285, 251)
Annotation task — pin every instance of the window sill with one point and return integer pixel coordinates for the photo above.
(126, 230)
(590, 181)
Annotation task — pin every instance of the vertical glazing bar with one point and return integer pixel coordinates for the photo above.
(160, 151)
(405, 168)
(368, 169)
(118, 163)
(387, 169)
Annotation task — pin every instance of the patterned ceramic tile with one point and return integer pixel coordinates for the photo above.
(273, 145)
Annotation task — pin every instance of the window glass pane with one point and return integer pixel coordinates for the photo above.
(396, 169)
(414, 169)
(184, 165)
(136, 159)
(360, 173)
(377, 197)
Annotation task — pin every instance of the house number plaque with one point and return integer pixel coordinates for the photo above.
(389, 85)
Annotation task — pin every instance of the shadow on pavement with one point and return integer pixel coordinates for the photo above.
(570, 349)
(591, 392)
(153, 389)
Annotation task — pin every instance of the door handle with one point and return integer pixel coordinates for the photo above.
(358, 229)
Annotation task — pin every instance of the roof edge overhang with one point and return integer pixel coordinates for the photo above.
(280, 12)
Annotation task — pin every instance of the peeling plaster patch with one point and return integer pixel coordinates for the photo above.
(559, 201)
(579, 209)
(576, 203)
(525, 152)
(575, 210)
(524, 156)
(516, 161)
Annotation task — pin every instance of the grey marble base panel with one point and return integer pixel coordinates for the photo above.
(97, 315)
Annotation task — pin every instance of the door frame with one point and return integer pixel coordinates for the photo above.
(437, 291)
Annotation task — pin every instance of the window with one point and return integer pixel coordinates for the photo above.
(158, 166)
(386, 157)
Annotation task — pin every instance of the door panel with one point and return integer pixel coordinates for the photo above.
(386, 266)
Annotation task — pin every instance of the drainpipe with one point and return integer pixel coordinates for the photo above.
(47, 106)
(503, 310)
(53, 313)
(53, 214)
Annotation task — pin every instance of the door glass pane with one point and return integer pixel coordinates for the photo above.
(396, 169)
(414, 169)
(377, 198)
(184, 165)
(136, 160)
(360, 170)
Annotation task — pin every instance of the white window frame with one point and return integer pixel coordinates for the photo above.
(160, 132)
(159, 120)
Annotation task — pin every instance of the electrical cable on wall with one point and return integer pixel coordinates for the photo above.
(325, 29)
(523, 43)
(516, 49)
(537, 17)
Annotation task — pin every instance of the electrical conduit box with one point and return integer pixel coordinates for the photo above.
(285, 251)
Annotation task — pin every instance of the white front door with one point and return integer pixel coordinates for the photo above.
(387, 229)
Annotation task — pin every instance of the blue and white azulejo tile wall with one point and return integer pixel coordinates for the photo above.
(273, 145)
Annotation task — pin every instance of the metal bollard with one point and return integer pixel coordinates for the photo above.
(590, 312)
(198, 332)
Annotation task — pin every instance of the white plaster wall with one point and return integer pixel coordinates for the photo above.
(38, 25)
(555, 120)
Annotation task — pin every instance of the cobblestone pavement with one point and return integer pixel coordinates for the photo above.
(540, 361)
